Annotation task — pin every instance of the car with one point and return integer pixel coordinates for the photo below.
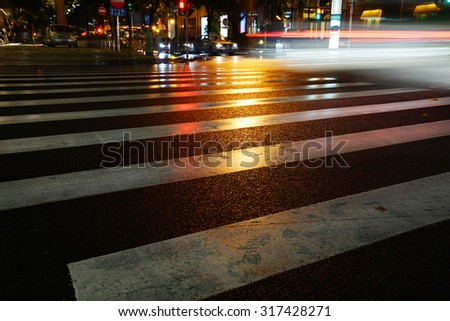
(163, 45)
(64, 35)
(215, 44)
(182, 48)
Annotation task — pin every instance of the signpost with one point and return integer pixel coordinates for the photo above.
(117, 10)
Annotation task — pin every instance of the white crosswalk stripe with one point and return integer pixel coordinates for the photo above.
(75, 140)
(238, 254)
(183, 94)
(196, 106)
(48, 115)
(58, 188)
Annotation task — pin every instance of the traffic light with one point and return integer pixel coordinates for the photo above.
(130, 7)
(181, 7)
(319, 13)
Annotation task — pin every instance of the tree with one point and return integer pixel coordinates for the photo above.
(233, 9)
(155, 8)
(213, 9)
(28, 17)
(82, 12)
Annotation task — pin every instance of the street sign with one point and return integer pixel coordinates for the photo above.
(101, 10)
(117, 12)
(117, 3)
(146, 19)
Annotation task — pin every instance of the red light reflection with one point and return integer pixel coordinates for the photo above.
(366, 35)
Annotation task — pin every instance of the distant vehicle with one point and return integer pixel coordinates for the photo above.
(182, 48)
(164, 45)
(215, 44)
(81, 32)
(63, 35)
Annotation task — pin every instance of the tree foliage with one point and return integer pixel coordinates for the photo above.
(215, 9)
(38, 13)
(30, 14)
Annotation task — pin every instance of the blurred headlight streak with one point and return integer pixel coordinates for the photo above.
(369, 35)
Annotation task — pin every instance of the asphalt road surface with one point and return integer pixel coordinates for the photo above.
(235, 178)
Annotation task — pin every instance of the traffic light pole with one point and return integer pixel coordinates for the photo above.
(186, 28)
(130, 42)
(118, 33)
(187, 38)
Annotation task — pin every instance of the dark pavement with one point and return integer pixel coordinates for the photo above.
(39, 241)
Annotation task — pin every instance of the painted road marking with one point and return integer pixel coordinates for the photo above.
(188, 83)
(40, 190)
(30, 144)
(197, 266)
(89, 80)
(86, 114)
(48, 76)
(176, 94)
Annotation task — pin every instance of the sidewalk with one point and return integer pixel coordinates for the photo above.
(38, 55)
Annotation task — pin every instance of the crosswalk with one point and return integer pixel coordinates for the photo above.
(184, 182)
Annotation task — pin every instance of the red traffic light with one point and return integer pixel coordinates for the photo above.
(181, 7)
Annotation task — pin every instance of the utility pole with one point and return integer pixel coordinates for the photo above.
(130, 26)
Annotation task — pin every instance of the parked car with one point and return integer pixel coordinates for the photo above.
(215, 44)
(63, 35)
